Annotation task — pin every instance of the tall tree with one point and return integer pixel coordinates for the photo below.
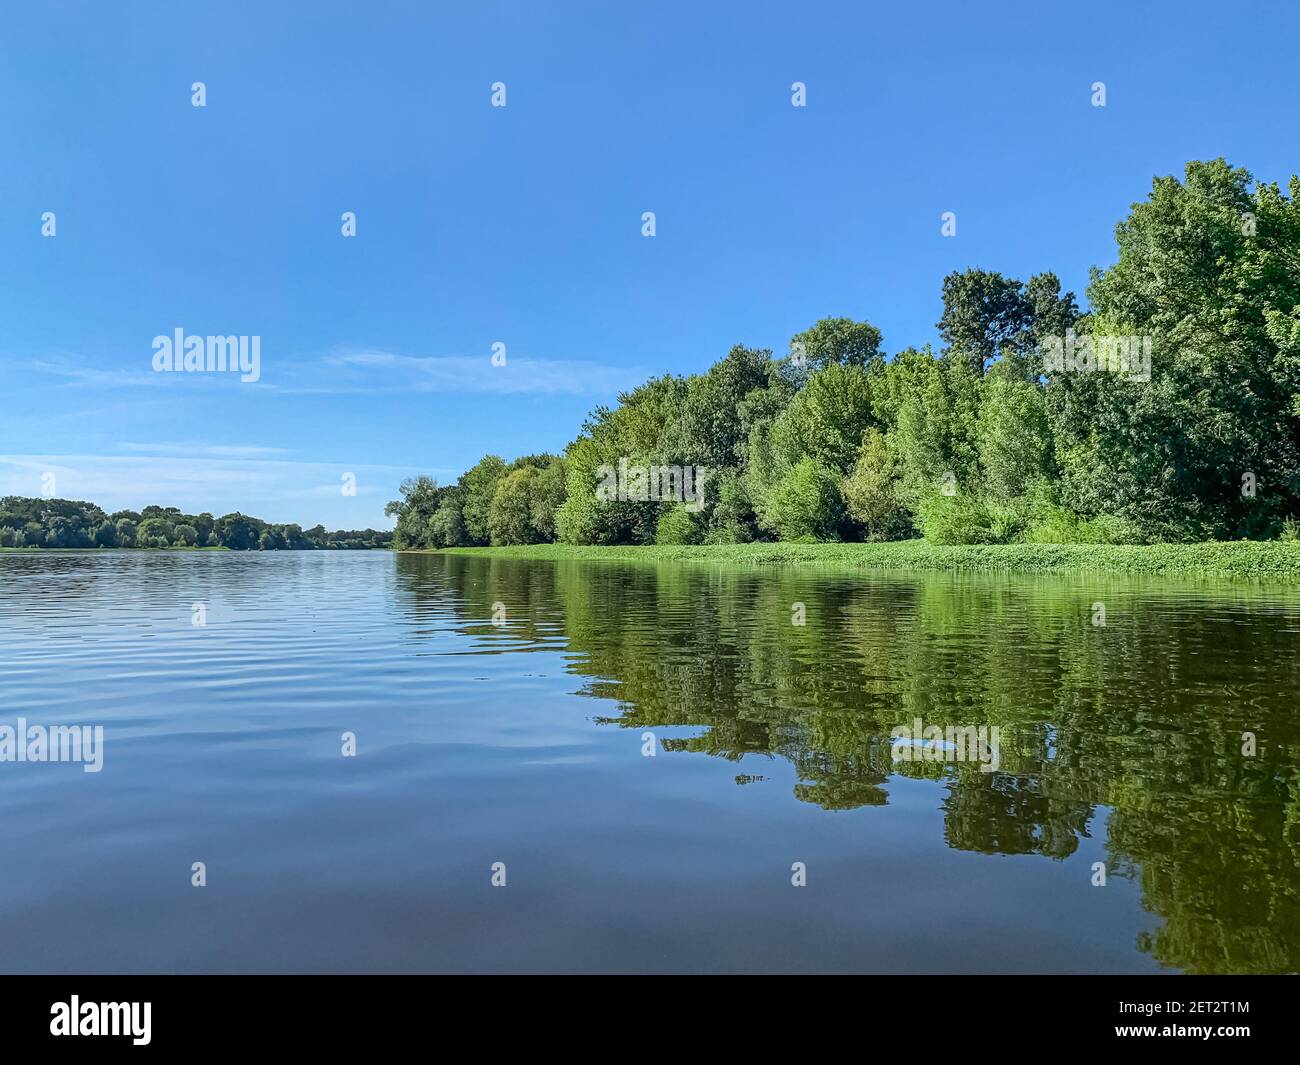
(839, 342)
(1209, 447)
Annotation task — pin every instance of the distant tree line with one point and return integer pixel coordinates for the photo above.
(30, 522)
(987, 440)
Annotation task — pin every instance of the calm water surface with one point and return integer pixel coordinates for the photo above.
(522, 743)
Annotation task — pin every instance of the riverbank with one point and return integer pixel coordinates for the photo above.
(1272, 560)
(169, 547)
(181, 547)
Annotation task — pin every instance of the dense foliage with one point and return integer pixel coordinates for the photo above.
(985, 441)
(28, 522)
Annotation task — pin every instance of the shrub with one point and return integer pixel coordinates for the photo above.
(871, 491)
(447, 526)
(963, 519)
(1053, 524)
(126, 532)
(806, 504)
(510, 510)
(677, 526)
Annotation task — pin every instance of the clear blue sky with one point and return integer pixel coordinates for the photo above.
(523, 224)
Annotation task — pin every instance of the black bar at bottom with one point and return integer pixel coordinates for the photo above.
(341, 1013)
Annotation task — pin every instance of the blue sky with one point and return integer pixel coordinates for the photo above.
(522, 224)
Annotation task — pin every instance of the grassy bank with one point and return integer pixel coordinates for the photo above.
(1274, 561)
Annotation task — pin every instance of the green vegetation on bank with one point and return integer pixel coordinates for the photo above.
(1035, 423)
(1239, 559)
(66, 523)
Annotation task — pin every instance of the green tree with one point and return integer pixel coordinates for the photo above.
(547, 496)
(126, 532)
(732, 518)
(707, 429)
(839, 342)
(825, 421)
(156, 530)
(1015, 437)
(806, 503)
(871, 491)
(677, 526)
(66, 532)
(1209, 271)
(985, 316)
(635, 432)
(295, 539)
(447, 526)
(238, 532)
(420, 500)
(204, 524)
(509, 520)
(988, 317)
(479, 485)
(935, 438)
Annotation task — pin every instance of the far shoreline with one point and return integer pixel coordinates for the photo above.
(194, 547)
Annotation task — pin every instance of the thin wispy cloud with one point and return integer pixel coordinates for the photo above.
(363, 372)
(77, 374)
(386, 371)
(213, 450)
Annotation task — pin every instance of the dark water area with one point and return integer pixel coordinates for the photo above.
(503, 712)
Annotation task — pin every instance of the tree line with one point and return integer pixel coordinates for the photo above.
(1024, 426)
(31, 522)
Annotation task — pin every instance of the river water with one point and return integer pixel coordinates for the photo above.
(672, 768)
